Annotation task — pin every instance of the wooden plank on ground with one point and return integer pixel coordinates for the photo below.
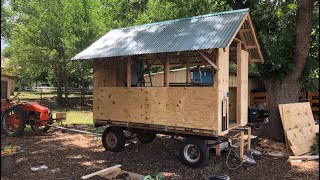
(101, 171)
(306, 157)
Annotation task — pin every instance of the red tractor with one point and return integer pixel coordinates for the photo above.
(15, 116)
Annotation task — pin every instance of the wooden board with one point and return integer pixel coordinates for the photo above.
(191, 107)
(110, 72)
(242, 87)
(221, 83)
(232, 103)
(299, 127)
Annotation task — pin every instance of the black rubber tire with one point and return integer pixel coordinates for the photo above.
(119, 138)
(146, 137)
(22, 118)
(45, 128)
(203, 151)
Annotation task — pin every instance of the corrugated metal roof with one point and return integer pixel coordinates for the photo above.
(195, 33)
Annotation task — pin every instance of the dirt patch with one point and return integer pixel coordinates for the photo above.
(72, 155)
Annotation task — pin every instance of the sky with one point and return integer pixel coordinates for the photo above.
(3, 44)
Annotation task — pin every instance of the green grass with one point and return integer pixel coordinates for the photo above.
(79, 117)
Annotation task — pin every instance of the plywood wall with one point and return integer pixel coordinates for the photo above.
(242, 87)
(232, 103)
(189, 107)
(110, 72)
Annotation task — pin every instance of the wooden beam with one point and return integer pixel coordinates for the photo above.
(173, 58)
(101, 171)
(255, 39)
(238, 40)
(238, 105)
(241, 36)
(249, 139)
(252, 47)
(166, 71)
(218, 150)
(241, 145)
(175, 65)
(188, 80)
(244, 30)
(206, 58)
(129, 62)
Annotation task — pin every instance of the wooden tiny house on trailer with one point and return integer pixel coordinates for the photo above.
(200, 112)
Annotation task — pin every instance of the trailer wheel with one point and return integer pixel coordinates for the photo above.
(146, 137)
(193, 152)
(113, 139)
(13, 121)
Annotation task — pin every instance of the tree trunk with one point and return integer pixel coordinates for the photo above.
(59, 90)
(279, 92)
(66, 86)
(287, 90)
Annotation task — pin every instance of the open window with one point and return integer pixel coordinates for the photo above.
(179, 69)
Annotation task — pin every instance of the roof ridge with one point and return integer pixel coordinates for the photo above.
(188, 18)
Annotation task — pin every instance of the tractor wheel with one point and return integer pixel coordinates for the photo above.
(113, 139)
(193, 152)
(146, 137)
(13, 121)
(42, 129)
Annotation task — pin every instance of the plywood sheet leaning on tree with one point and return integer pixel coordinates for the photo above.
(299, 127)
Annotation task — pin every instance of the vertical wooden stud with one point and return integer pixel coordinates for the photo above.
(129, 71)
(242, 145)
(166, 71)
(218, 150)
(238, 120)
(188, 80)
(249, 138)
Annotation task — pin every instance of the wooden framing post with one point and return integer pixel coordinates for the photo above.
(221, 88)
(242, 86)
(129, 71)
(249, 139)
(241, 145)
(218, 150)
(188, 80)
(238, 83)
(166, 71)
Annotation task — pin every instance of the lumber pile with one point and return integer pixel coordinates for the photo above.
(299, 127)
(272, 148)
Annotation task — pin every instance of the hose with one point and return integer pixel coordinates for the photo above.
(157, 177)
(233, 168)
